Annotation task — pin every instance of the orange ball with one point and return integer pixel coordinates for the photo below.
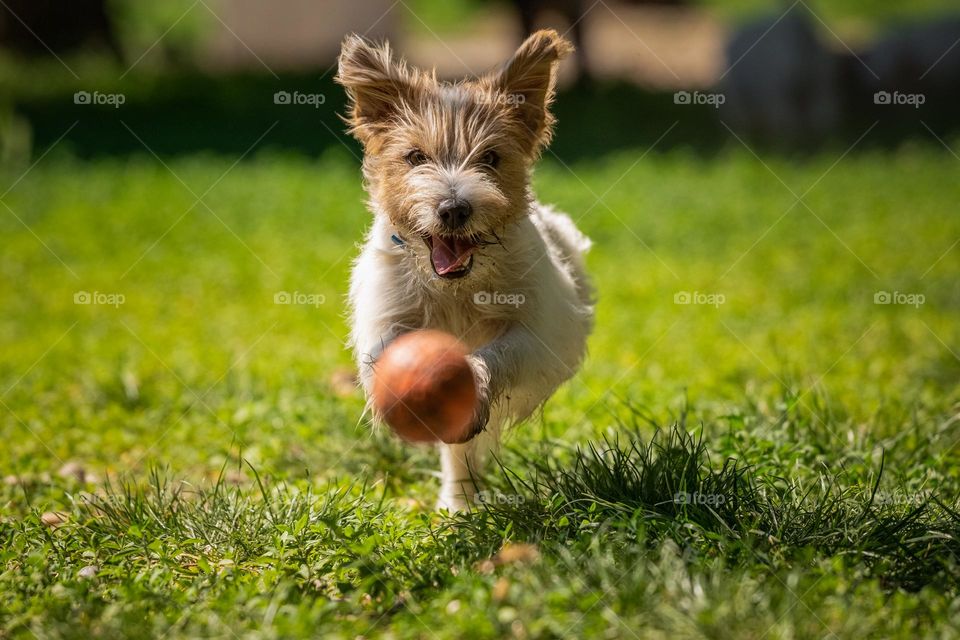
(423, 387)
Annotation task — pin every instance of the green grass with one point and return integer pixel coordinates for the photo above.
(854, 16)
(876, 12)
(231, 488)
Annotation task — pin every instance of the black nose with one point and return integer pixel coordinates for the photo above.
(454, 212)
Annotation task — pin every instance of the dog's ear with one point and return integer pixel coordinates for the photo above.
(376, 85)
(528, 80)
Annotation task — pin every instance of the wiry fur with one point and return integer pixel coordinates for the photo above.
(520, 353)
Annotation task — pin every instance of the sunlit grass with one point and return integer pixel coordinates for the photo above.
(279, 513)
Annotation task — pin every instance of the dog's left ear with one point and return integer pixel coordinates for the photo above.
(376, 85)
(528, 82)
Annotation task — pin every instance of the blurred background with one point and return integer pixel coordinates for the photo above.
(201, 74)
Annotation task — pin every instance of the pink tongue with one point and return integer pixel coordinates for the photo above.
(449, 254)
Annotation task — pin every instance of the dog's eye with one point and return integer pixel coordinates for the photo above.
(416, 158)
(490, 159)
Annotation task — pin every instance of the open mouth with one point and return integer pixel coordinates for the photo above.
(451, 256)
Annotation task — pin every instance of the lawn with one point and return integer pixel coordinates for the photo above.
(185, 457)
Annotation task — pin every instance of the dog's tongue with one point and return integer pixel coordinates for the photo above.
(450, 254)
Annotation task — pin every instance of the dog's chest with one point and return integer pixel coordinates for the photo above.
(475, 324)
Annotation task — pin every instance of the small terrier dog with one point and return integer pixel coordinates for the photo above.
(458, 241)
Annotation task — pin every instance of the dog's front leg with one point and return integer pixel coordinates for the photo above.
(519, 370)
(460, 463)
(515, 374)
(459, 468)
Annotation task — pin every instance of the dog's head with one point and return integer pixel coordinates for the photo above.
(450, 163)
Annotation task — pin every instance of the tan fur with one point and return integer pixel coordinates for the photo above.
(403, 116)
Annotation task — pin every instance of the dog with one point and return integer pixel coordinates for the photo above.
(458, 241)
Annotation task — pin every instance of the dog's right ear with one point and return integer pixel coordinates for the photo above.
(376, 85)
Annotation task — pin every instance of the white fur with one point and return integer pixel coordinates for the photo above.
(521, 353)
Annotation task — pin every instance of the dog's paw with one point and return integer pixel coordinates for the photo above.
(457, 498)
(481, 414)
(453, 504)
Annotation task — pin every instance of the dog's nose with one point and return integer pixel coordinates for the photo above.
(454, 212)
